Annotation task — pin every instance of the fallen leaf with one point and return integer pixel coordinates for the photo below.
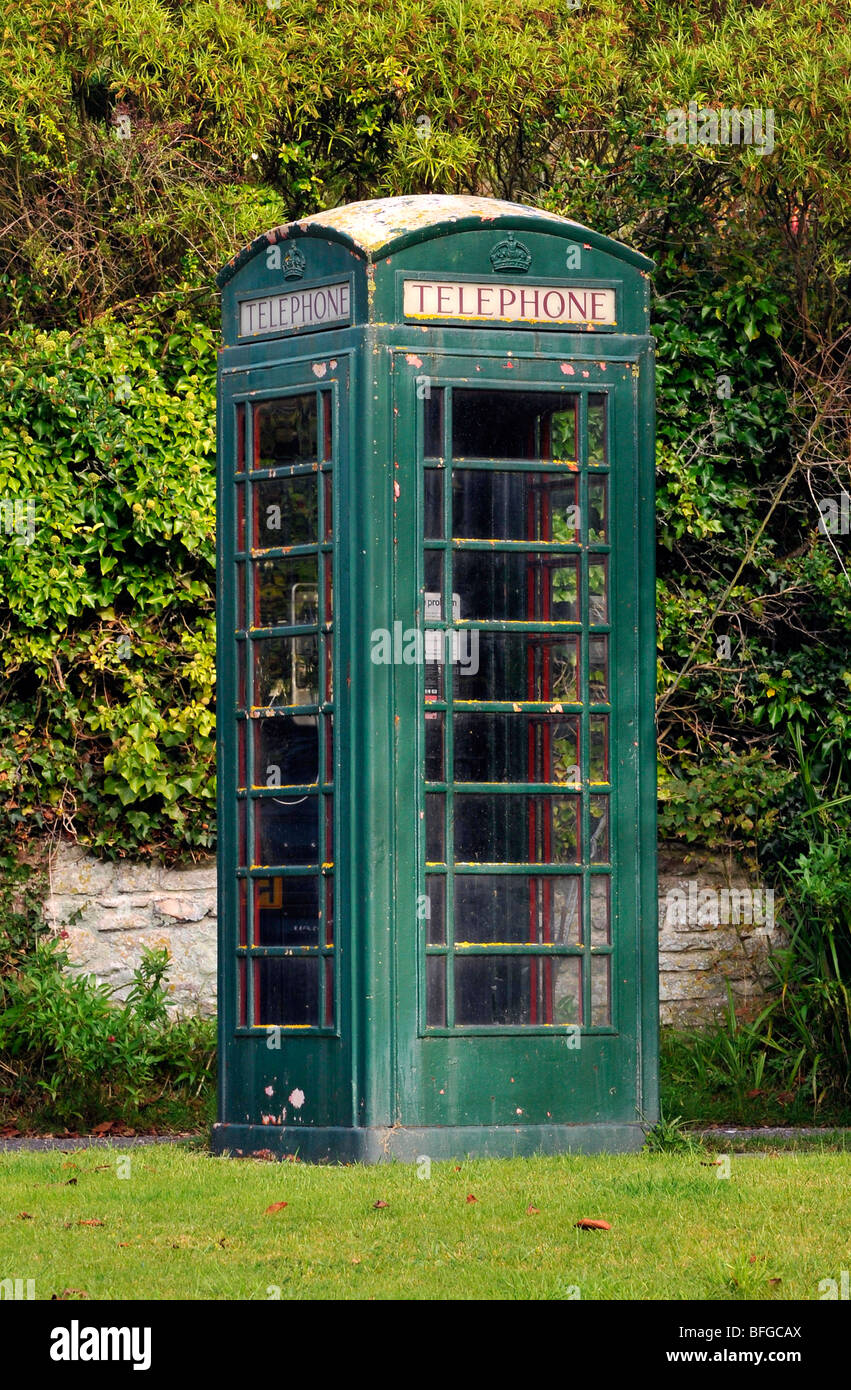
(379, 1205)
(752, 1095)
(587, 1224)
(103, 1128)
(276, 1206)
(122, 1244)
(71, 1182)
(103, 1167)
(24, 1216)
(355, 1260)
(90, 1221)
(9, 1132)
(471, 1198)
(70, 1165)
(532, 1211)
(457, 1170)
(775, 1281)
(265, 1155)
(68, 1293)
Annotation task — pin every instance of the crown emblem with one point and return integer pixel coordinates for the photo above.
(511, 254)
(292, 263)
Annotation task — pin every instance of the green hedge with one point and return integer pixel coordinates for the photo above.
(107, 655)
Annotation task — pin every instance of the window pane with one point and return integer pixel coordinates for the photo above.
(519, 666)
(516, 748)
(329, 991)
(434, 423)
(242, 910)
(286, 911)
(518, 990)
(434, 818)
(567, 990)
(285, 431)
(433, 747)
(496, 585)
(240, 570)
(239, 539)
(598, 726)
(601, 992)
(435, 991)
(599, 807)
(598, 604)
(327, 426)
(433, 484)
(494, 990)
(516, 829)
(286, 592)
(286, 670)
(514, 506)
(597, 442)
(598, 520)
(435, 909)
(598, 674)
(286, 751)
(287, 831)
(516, 907)
(433, 572)
(286, 512)
(600, 913)
(239, 426)
(513, 424)
(288, 991)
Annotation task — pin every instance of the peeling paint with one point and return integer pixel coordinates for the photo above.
(568, 369)
(412, 359)
(296, 1098)
(319, 368)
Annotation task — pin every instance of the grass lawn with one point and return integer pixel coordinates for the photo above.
(184, 1225)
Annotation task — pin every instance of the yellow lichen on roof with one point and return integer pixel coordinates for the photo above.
(373, 224)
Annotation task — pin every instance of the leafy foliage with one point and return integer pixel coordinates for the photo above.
(106, 710)
(238, 115)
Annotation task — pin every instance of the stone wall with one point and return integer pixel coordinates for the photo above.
(716, 925)
(110, 912)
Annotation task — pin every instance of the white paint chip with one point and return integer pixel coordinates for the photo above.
(296, 1099)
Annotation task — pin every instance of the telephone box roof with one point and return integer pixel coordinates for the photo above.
(379, 226)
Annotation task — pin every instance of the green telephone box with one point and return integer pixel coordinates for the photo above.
(436, 662)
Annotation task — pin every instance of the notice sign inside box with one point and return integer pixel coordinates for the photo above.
(509, 303)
